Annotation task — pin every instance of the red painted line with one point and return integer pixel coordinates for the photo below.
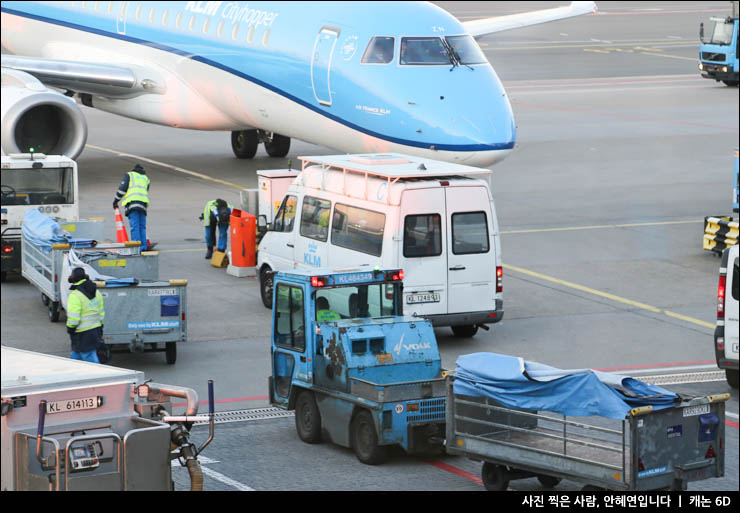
(456, 471)
(654, 365)
(732, 423)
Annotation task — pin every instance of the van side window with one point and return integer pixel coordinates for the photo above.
(358, 229)
(285, 217)
(289, 324)
(422, 235)
(735, 272)
(315, 218)
(469, 233)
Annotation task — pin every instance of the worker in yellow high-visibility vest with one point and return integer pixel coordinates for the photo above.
(133, 195)
(85, 317)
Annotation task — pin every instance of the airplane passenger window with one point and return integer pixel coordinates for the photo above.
(191, 23)
(96, 6)
(266, 37)
(235, 31)
(205, 26)
(220, 28)
(138, 11)
(423, 51)
(110, 7)
(379, 50)
(152, 12)
(467, 49)
(178, 20)
(164, 16)
(250, 34)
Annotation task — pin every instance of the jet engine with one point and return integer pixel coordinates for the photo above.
(38, 119)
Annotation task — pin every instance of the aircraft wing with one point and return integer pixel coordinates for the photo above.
(93, 78)
(477, 28)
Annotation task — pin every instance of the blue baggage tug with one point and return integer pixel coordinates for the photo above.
(355, 370)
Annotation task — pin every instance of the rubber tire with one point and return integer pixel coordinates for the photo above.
(3, 275)
(170, 352)
(730, 83)
(307, 418)
(279, 146)
(244, 143)
(266, 283)
(54, 311)
(495, 477)
(364, 440)
(467, 331)
(548, 481)
(732, 377)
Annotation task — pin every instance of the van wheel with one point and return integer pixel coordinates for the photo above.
(732, 377)
(266, 280)
(307, 418)
(365, 440)
(276, 145)
(465, 331)
(244, 143)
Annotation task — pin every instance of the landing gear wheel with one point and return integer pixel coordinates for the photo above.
(170, 352)
(365, 440)
(732, 377)
(465, 331)
(495, 477)
(548, 481)
(54, 311)
(244, 143)
(266, 280)
(276, 145)
(307, 418)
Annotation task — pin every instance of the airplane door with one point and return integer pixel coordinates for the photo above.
(471, 267)
(121, 18)
(323, 49)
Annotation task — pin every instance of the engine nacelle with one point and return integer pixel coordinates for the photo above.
(38, 119)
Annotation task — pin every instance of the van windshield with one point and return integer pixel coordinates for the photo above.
(43, 186)
(371, 301)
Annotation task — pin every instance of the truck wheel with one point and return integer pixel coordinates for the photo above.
(307, 418)
(732, 377)
(266, 280)
(365, 440)
(465, 331)
(170, 352)
(495, 477)
(244, 143)
(53, 311)
(548, 481)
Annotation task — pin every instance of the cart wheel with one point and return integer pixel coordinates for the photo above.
(365, 440)
(53, 311)
(495, 477)
(548, 481)
(45, 299)
(307, 418)
(170, 352)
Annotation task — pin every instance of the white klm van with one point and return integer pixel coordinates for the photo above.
(726, 332)
(435, 220)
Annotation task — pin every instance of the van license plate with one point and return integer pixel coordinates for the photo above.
(85, 403)
(692, 411)
(423, 298)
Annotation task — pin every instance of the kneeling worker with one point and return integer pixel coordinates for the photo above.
(216, 213)
(85, 316)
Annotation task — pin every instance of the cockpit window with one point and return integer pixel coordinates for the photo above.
(466, 49)
(379, 50)
(423, 51)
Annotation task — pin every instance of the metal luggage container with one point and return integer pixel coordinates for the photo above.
(146, 317)
(143, 266)
(648, 450)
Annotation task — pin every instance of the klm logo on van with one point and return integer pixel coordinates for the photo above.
(311, 258)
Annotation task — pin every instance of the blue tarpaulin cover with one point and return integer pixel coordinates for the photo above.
(516, 383)
(42, 231)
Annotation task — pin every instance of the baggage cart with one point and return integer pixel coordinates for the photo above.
(69, 425)
(145, 317)
(648, 450)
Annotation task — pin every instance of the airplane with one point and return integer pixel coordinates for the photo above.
(358, 77)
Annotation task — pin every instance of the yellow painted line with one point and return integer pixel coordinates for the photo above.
(180, 250)
(672, 56)
(598, 227)
(609, 296)
(168, 166)
(594, 50)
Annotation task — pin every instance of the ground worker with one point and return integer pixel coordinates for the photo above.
(85, 316)
(216, 213)
(324, 312)
(133, 194)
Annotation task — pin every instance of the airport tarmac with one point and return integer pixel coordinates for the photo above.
(622, 150)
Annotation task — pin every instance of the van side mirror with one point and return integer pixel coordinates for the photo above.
(262, 225)
(701, 32)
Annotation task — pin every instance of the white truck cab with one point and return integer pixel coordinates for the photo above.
(726, 332)
(48, 183)
(435, 220)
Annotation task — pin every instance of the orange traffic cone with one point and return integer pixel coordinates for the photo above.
(121, 234)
